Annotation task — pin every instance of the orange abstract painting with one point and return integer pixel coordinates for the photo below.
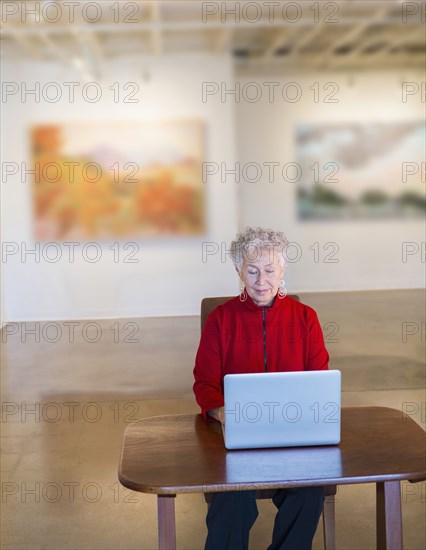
(118, 180)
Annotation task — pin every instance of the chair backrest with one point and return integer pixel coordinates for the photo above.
(209, 304)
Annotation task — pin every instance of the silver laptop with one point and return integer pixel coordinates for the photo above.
(282, 409)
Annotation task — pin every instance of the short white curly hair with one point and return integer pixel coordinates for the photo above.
(252, 240)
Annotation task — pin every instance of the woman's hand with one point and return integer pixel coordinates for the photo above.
(217, 414)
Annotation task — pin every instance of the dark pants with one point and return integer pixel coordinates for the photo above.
(231, 516)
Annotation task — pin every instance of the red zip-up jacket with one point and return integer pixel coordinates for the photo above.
(241, 337)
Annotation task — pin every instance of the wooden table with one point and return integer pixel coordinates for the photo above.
(167, 455)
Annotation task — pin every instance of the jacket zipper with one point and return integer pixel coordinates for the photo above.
(264, 337)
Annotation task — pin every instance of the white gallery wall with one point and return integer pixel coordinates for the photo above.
(170, 276)
(328, 255)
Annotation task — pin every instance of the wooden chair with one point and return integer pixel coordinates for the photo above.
(328, 515)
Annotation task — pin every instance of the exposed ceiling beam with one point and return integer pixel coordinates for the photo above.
(90, 56)
(278, 42)
(353, 33)
(223, 41)
(95, 43)
(53, 48)
(62, 57)
(277, 68)
(370, 34)
(183, 26)
(358, 55)
(306, 38)
(25, 43)
(395, 41)
(283, 65)
(156, 33)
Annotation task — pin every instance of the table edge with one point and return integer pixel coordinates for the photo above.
(223, 487)
(405, 416)
(206, 487)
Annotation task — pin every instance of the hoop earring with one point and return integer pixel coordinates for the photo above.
(282, 291)
(243, 294)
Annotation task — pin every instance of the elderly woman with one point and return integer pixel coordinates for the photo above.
(261, 330)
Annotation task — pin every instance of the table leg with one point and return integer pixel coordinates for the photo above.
(166, 522)
(329, 526)
(388, 515)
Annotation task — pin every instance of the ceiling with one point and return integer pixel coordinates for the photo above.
(270, 36)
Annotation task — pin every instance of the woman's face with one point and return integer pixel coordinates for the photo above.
(261, 273)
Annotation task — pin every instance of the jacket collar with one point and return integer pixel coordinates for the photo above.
(249, 304)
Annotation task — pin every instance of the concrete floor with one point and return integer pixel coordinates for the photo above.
(66, 405)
